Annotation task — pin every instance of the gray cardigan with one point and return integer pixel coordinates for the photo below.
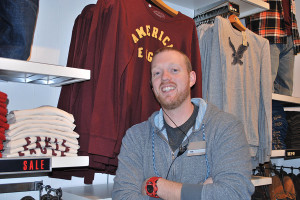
(227, 155)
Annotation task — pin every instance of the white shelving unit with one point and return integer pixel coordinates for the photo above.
(61, 162)
(260, 180)
(40, 73)
(247, 7)
(12, 70)
(277, 153)
(286, 101)
(46, 74)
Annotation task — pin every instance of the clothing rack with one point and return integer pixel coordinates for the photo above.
(261, 169)
(284, 167)
(223, 10)
(20, 187)
(45, 191)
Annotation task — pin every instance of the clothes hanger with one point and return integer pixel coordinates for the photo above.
(165, 7)
(235, 21)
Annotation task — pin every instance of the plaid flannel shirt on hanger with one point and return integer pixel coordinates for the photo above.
(270, 24)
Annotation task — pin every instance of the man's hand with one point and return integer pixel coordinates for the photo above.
(143, 187)
(166, 189)
(208, 181)
(169, 189)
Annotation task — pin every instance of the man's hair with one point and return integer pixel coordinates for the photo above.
(186, 59)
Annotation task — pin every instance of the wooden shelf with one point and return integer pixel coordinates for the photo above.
(40, 73)
(247, 7)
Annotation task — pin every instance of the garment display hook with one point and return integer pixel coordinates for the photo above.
(165, 7)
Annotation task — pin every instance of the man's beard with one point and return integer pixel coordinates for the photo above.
(176, 101)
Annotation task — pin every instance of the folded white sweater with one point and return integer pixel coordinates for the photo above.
(42, 134)
(38, 152)
(47, 127)
(43, 110)
(41, 144)
(54, 122)
(13, 120)
(33, 139)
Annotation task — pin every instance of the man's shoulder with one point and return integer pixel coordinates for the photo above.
(220, 116)
(140, 130)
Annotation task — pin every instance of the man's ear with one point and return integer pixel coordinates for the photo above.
(192, 78)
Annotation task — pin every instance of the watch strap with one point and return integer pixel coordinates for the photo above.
(151, 187)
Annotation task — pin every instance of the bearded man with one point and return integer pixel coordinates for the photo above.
(188, 149)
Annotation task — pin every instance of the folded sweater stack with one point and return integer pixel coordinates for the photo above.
(3, 120)
(42, 131)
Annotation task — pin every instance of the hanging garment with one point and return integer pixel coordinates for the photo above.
(118, 49)
(270, 24)
(17, 25)
(237, 79)
(289, 187)
(279, 126)
(296, 182)
(293, 136)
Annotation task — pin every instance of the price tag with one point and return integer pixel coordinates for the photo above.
(245, 42)
(292, 154)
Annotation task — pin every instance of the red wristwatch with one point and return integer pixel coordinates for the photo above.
(151, 187)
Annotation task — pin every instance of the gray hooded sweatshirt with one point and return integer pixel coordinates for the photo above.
(145, 152)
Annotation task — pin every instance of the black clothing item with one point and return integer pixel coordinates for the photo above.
(28, 198)
(293, 137)
(279, 126)
(177, 134)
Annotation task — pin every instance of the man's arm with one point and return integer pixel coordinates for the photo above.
(129, 176)
(169, 189)
(229, 168)
(166, 189)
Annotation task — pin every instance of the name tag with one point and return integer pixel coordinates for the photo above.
(196, 148)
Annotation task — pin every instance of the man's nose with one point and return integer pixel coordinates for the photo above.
(166, 75)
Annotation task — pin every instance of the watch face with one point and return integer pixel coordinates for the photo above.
(150, 188)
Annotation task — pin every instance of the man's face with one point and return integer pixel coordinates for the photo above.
(170, 79)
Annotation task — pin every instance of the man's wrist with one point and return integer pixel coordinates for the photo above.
(151, 187)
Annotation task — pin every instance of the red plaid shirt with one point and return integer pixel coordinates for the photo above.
(270, 24)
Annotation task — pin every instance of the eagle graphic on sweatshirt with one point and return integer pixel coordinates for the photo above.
(238, 55)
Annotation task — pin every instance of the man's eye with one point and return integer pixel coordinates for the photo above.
(156, 74)
(175, 70)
